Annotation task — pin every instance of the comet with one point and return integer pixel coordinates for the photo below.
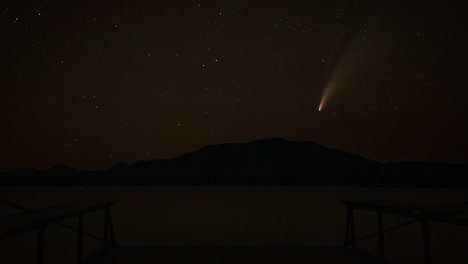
(360, 51)
(326, 94)
(345, 70)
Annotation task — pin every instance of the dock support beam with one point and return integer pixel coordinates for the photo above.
(350, 235)
(108, 229)
(427, 248)
(40, 248)
(80, 238)
(381, 235)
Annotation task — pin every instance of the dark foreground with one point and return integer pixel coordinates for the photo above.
(231, 254)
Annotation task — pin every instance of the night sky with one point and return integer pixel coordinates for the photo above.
(93, 83)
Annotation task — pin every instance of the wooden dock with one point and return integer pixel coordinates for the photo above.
(40, 220)
(419, 213)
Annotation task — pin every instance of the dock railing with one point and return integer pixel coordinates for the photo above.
(39, 220)
(424, 214)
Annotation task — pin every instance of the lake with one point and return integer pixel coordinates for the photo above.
(237, 216)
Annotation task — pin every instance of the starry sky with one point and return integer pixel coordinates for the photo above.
(93, 83)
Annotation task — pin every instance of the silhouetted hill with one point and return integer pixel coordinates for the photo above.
(62, 169)
(27, 171)
(262, 162)
(415, 174)
(119, 168)
(270, 154)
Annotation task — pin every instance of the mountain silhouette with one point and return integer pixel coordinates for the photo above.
(62, 169)
(267, 154)
(263, 162)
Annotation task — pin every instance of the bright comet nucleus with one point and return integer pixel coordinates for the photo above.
(328, 89)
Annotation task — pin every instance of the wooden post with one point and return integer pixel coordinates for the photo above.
(80, 238)
(381, 234)
(346, 240)
(351, 226)
(427, 248)
(111, 226)
(40, 245)
(106, 230)
(109, 236)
